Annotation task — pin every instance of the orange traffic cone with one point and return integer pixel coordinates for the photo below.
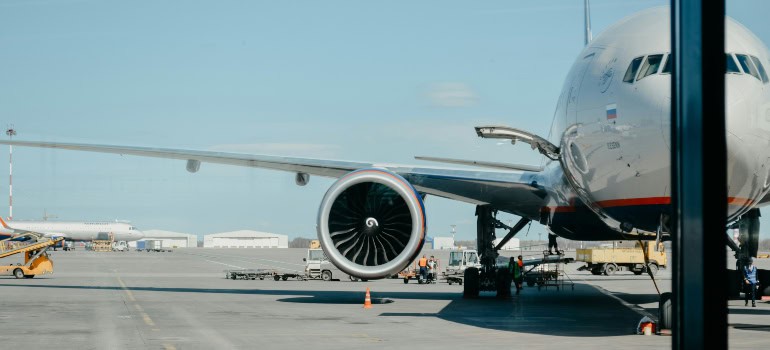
(367, 300)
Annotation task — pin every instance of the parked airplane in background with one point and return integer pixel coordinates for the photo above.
(605, 172)
(73, 231)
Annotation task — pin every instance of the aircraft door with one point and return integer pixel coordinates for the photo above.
(576, 82)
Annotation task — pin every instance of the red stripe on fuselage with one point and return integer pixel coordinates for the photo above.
(630, 202)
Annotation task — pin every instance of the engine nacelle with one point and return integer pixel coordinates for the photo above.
(371, 223)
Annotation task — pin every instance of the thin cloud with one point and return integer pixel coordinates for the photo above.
(452, 95)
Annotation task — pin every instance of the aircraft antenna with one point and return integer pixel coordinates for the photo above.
(587, 18)
(11, 132)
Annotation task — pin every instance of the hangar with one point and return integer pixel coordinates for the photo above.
(170, 239)
(245, 239)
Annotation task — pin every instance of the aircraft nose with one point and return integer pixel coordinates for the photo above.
(139, 234)
(748, 157)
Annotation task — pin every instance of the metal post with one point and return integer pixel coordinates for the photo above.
(11, 133)
(699, 185)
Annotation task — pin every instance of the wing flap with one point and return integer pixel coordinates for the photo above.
(480, 163)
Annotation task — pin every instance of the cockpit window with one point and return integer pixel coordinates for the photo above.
(748, 66)
(632, 69)
(650, 66)
(732, 67)
(667, 66)
(760, 68)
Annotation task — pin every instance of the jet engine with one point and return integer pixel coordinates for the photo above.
(371, 223)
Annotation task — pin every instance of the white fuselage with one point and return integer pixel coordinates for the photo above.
(79, 231)
(613, 126)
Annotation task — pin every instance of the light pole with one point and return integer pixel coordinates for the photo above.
(11, 133)
(453, 235)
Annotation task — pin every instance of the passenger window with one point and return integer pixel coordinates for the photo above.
(760, 68)
(632, 68)
(747, 66)
(650, 66)
(667, 66)
(732, 67)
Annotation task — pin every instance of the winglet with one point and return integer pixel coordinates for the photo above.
(4, 224)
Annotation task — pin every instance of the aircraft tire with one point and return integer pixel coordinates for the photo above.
(665, 311)
(503, 279)
(471, 285)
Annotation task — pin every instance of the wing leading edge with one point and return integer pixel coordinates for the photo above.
(518, 192)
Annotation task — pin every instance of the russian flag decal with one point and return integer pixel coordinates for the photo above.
(612, 111)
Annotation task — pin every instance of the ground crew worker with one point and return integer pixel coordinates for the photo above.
(515, 270)
(431, 269)
(750, 280)
(520, 280)
(423, 263)
(552, 244)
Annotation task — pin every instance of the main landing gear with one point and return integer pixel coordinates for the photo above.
(489, 277)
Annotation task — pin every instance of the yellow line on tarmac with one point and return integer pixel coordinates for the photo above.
(168, 347)
(128, 292)
(145, 316)
(147, 319)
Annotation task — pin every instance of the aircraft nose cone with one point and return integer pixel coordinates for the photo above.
(139, 234)
(748, 157)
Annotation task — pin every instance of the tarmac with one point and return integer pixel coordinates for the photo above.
(182, 300)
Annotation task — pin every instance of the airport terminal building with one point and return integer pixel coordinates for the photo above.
(245, 239)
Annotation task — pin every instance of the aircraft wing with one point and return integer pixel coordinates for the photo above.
(516, 191)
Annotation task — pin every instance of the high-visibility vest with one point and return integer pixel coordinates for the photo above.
(423, 262)
(515, 270)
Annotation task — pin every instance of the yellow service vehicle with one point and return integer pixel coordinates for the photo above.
(36, 261)
(607, 261)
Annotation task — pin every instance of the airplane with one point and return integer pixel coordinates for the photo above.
(71, 231)
(605, 173)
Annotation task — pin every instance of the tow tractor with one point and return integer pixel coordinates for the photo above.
(36, 261)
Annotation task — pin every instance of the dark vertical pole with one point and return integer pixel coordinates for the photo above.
(699, 174)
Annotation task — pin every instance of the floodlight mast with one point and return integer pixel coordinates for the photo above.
(11, 132)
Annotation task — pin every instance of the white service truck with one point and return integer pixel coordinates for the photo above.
(120, 246)
(459, 261)
(318, 266)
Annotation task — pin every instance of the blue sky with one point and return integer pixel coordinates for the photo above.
(369, 81)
